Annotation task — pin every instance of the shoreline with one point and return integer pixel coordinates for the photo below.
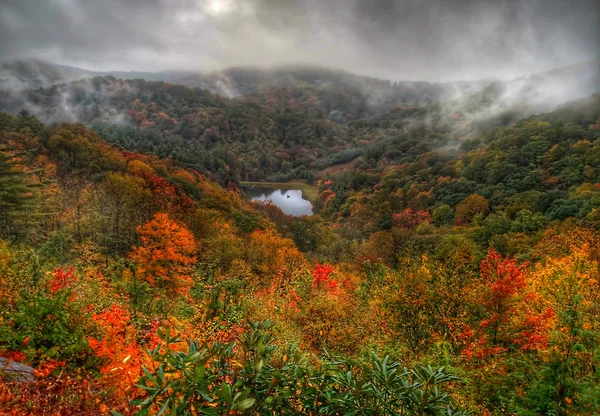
(308, 191)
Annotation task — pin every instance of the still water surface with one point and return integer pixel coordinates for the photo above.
(289, 200)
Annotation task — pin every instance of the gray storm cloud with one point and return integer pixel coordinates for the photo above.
(406, 39)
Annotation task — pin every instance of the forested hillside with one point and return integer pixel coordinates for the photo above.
(233, 138)
(292, 123)
(545, 165)
(338, 94)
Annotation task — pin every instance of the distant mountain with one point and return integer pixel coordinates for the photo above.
(166, 76)
(546, 90)
(329, 92)
(32, 73)
(238, 81)
(325, 92)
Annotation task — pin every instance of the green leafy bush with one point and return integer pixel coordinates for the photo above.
(254, 376)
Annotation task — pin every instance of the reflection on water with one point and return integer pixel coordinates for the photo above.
(289, 200)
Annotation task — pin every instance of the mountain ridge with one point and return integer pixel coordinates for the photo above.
(23, 74)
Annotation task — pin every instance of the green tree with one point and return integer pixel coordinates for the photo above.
(442, 215)
(17, 197)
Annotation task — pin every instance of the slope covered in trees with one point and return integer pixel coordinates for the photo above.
(233, 138)
(289, 123)
(544, 166)
(334, 93)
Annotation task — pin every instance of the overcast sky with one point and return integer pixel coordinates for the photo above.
(403, 39)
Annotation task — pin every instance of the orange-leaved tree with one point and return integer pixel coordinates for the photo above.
(273, 257)
(166, 255)
(116, 345)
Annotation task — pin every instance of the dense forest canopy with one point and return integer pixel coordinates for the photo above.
(451, 154)
(292, 123)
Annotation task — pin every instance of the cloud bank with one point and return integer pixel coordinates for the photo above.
(432, 40)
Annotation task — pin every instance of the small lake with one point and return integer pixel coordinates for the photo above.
(289, 200)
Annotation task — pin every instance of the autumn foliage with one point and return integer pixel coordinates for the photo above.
(62, 279)
(129, 282)
(116, 344)
(322, 277)
(167, 252)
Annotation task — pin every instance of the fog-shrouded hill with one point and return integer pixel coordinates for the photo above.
(25, 74)
(340, 93)
(29, 74)
(546, 90)
(342, 96)
(256, 136)
(200, 129)
(291, 123)
(330, 93)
